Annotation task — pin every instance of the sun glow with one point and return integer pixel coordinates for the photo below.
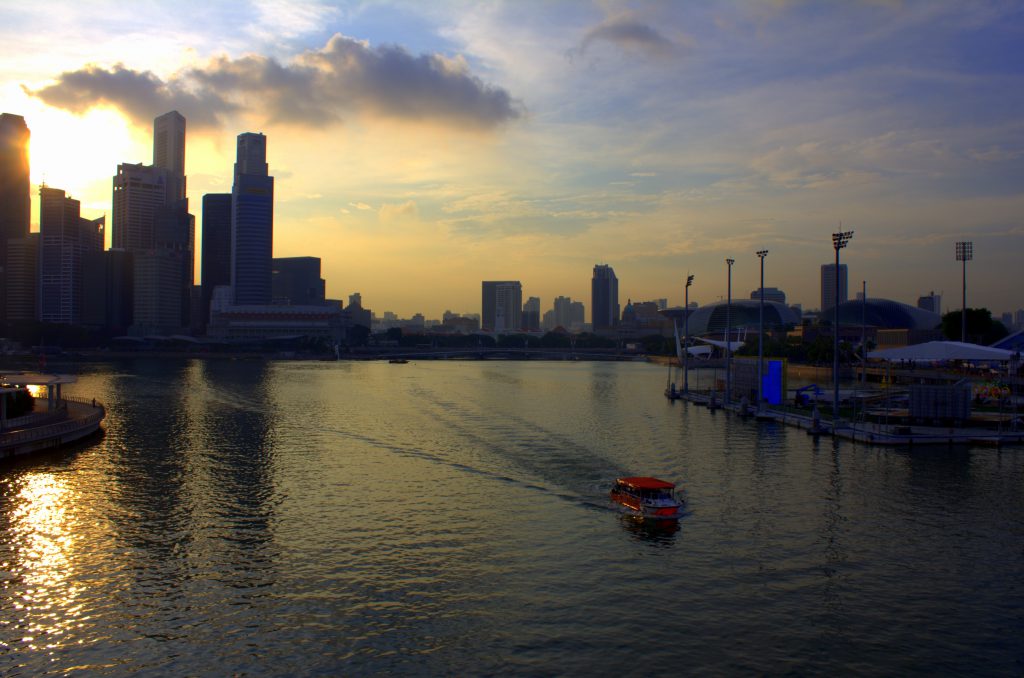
(80, 153)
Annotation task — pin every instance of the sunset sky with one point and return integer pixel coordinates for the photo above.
(421, 147)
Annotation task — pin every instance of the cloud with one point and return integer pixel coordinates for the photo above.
(406, 211)
(360, 205)
(629, 34)
(317, 87)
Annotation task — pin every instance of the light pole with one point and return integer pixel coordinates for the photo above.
(761, 254)
(839, 241)
(864, 332)
(686, 333)
(964, 253)
(728, 332)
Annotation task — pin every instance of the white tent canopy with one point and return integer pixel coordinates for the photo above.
(934, 351)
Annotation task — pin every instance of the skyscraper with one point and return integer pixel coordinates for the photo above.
(215, 267)
(501, 305)
(296, 280)
(604, 298)
(152, 223)
(64, 240)
(15, 202)
(169, 149)
(828, 285)
(252, 223)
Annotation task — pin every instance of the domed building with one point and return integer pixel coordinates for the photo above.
(883, 314)
(743, 313)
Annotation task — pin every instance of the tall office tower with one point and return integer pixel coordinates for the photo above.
(604, 298)
(501, 305)
(932, 302)
(252, 223)
(152, 223)
(828, 285)
(297, 281)
(169, 148)
(15, 202)
(563, 312)
(64, 239)
(22, 278)
(215, 267)
(107, 291)
(531, 315)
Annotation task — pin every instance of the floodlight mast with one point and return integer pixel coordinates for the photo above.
(686, 334)
(964, 253)
(728, 332)
(761, 254)
(839, 241)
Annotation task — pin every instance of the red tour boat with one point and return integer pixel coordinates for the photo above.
(645, 497)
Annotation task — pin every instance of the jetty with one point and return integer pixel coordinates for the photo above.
(43, 416)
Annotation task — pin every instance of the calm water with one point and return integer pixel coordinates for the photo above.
(450, 518)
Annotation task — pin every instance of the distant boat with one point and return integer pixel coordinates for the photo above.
(647, 498)
(398, 361)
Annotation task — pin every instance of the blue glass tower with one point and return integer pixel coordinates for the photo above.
(252, 223)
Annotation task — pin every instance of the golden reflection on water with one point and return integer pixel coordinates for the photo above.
(40, 563)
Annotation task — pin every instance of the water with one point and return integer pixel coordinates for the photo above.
(450, 518)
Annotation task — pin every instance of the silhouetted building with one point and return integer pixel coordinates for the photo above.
(15, 201)
(296, 280)
(932, 302)
(107, 291)
(828, 285)
(604, 298)
(215, 267)
(64, 238)
(501, 306)
(169, 149)
(22, 280)
(531, 315)
(771, 294)
(252, 223)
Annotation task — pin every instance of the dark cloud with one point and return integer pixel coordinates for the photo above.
(628, 33)
(318, 87)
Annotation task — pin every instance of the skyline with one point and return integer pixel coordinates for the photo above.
(421, 150)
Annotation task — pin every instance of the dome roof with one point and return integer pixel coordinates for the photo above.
(742, 313)
(884, 313)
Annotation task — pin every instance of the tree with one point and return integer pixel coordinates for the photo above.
(981, 328)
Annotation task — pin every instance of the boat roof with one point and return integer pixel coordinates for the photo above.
(646, 483)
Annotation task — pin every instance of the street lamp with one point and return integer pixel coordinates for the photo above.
(839, 241)
(686, 332)
(864, 332)
(964, 253)
(728, 332)
(761, 254)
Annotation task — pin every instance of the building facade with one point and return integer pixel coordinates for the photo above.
(64, 239)
(501, 306)
(252, 223)
(604, 298)
(15, 200)
(215, 266)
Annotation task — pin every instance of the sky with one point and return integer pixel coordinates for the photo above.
(422, 147)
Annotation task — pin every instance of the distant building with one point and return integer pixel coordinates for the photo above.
(21, 284)
(828, 285)
(296, 280)
(931, 302)
(169, 149)
(215, 267)
(604, 298)
(501, 305)
(15, 199)
(252, 223)
(531, 315)
(770, 294)
(64, 239)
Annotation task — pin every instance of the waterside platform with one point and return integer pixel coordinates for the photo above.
(866, 432)
(53, 420)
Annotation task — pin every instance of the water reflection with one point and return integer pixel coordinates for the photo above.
(655, 532)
